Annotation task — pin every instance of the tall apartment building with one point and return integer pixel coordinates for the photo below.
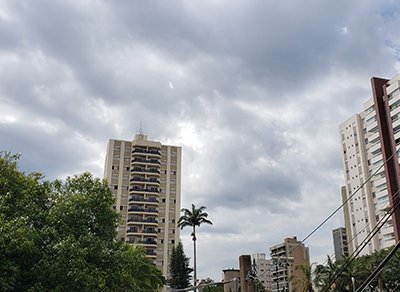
(263, 268)
(285, 258)
(340, 243)
(145, 179)
(369, 142)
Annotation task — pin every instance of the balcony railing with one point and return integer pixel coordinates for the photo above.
(149, 190)
(138, 209)
(149, 231)
(142, 179)
(147, 241)
(146, 230)
(150, 151)
(141, 220)
(151, 170)
(142, 160)
(141, 199)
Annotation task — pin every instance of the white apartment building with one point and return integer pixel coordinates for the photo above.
(145, 179)
(368, 141)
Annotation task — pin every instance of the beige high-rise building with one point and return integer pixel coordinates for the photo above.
(145, 179)
(286, 257)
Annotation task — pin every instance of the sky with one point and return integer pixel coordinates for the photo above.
(253, 91)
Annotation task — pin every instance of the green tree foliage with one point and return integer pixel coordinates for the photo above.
(208, 285)
(61, 236)
(324, 276)
(359, 269)
(305, 280)
(390, 275)
(192, 218)
(179, 268)
(259, 287)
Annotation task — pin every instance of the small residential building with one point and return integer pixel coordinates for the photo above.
(286, 257)
(263, 267)
(231, 280)
(340, 243)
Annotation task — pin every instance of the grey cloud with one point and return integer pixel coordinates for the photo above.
(264, 86)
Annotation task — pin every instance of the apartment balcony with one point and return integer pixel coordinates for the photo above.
(143, 221)
(140, 170)
(139, 199)
(139, 232)
(141, 161)
(132, 230)
(144, 190)
(146, 242)
(142, 180)
(396, 121)
(142, 210)
(149, 152)
(151, 253)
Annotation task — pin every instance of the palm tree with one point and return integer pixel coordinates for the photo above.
(194, 217)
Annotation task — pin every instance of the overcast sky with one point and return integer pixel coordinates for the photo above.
(253, 91)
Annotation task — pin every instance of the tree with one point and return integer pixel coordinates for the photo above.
(179, 268)
(327, 276)
(194, 217)
(61, 236)
(389, 276)
(259, 286)
(305, 281)
(359, 269)
(208, 285)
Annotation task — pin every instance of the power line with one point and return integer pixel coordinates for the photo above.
(363, 244)
(341, 206)
(379, 268)
(344, 203)
(358, 233)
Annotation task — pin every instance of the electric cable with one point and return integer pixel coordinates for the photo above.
(345, 202)
(363, 244)
(349, 257)
(379, 268)
(341, 206)
(355, 236)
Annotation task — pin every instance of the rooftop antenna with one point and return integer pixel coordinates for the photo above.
(141, 128)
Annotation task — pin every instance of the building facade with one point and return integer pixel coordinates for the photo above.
(340, 243)
(285, 258)
(263, 268)
(370, 141)
(145, 179)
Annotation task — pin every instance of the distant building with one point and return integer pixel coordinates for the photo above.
(246, 275)
(232, 280)
(369, 142)
(285, 258)
(340, 243)
(145, 179)
(263, 270)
